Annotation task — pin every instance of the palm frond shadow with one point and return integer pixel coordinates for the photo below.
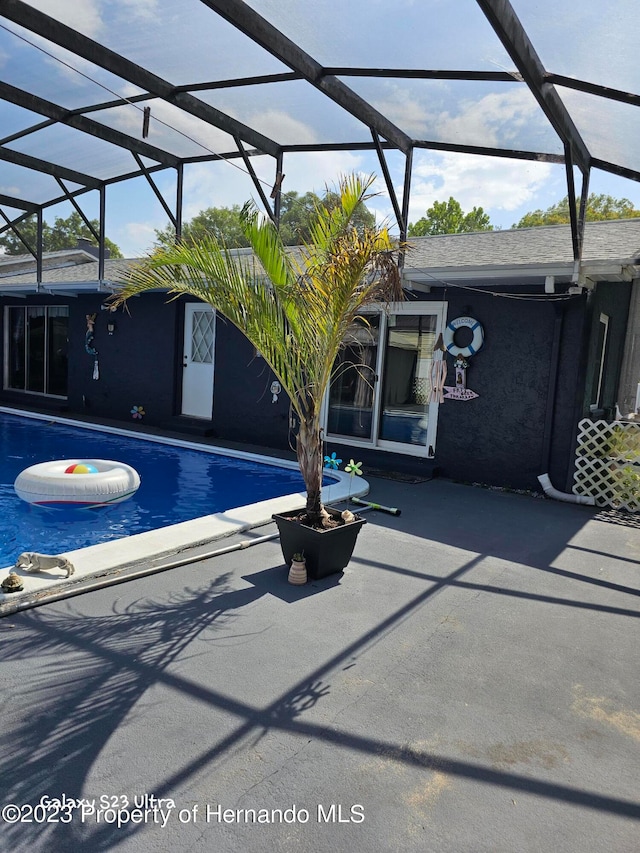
(101, 667)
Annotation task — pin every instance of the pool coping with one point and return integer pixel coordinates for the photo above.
(117, 555)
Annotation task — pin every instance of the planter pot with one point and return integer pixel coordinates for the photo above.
(325, 551)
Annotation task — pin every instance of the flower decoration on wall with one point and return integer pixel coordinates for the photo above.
(138, 412)
(332, 461)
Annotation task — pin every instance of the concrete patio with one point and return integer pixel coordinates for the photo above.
(469, 684)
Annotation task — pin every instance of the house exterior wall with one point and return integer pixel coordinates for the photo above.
(530, 376)
(242, 402)
(137, 364)
(505, 436)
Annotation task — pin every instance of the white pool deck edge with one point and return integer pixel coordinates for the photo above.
(154, 545)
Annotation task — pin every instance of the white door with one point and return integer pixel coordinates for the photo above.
(197, 362)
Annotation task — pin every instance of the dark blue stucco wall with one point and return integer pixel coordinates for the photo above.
(242, 402)
(137, 364)
(498, 438)
(530, 377)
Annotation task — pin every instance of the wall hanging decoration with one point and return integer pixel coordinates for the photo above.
(461, 356)
(275, 389)
(438, 371)
(137, 412)
(88, 344)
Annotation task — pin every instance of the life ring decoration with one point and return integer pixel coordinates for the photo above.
(476, 342)
(77, 483)
(460, 356)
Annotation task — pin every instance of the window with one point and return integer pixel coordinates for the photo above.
(380, 392)
(36, 349)
(601, 354)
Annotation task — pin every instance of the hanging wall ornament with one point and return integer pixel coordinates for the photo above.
(276, 388)
(438, 371)
(461, 356)
(88, 344)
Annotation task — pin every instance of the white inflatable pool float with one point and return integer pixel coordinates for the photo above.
(77, 482)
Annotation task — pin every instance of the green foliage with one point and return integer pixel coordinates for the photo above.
(599, 207)
(63, 234)
(295, 307)
(447, 217)
(222, 223)
(297, 213)
(619, 451)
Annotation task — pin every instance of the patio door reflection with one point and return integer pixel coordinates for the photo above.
(352, 391)
(380, 392)
(406, 378)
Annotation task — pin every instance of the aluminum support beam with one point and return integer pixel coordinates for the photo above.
(58, 114)
(257, 28)
(54, 31)
(402, 225)
(516, 42)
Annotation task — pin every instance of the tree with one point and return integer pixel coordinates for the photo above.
(63, 234)
(299, 322)
(223, 223)
(599, 206)
(447, 217)
(296, 216)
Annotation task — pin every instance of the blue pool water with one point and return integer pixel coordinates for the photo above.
(177, 484)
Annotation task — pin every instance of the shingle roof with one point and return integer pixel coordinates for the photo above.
(614, 239)
(67, 273)
(609, 240)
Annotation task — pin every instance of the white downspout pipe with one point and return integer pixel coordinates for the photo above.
(550, 492)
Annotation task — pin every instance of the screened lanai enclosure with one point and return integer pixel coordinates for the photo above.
(94, 93)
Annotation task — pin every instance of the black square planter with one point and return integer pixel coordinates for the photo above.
(326, 551)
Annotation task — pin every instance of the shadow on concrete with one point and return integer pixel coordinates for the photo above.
(98, 668)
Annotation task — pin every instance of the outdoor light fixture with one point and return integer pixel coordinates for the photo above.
(111, 327)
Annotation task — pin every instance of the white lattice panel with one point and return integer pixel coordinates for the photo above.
(608, 463)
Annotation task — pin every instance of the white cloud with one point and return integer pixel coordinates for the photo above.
(494, 120)
(489, 182)
(499, 118)
(145, 9)
(83, 15)
(504, 188)
(140, 234)
(278, 124)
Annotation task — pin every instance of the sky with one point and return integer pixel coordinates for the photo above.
(181, 41)
(505, 189)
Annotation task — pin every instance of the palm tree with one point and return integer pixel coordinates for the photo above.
(295, 306)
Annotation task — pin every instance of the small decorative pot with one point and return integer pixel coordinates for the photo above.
(298, 571)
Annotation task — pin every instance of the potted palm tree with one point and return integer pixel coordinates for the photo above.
(296, 306)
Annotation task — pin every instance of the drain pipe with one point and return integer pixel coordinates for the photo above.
(550, 492)
(8, 607)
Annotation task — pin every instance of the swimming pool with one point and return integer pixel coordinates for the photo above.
(178, 484)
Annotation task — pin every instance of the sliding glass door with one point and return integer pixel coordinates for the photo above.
(36, 349)
(380, 394)
(353, 385)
